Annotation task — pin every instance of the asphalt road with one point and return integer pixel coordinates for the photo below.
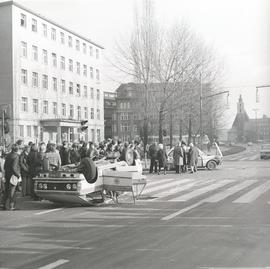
(210, 219)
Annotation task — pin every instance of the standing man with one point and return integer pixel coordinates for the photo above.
(193, 158)
(153, 157)
(25, 171)
(178, 157)
(12, 169)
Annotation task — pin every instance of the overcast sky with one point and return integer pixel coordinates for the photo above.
(239, 30)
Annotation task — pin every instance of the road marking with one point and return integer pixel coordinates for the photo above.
(198, 192)
(175, 189)
(230, 191)
(54, 264)
(253, 194)
(165, 186)
(157, 182)
(171, 216)
(235, 267)
(48, 211)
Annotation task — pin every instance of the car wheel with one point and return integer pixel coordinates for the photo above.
(211, 165)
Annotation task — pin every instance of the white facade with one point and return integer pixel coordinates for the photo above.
(54, 72)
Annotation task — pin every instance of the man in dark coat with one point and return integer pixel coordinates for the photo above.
(25, 171)
(153, 157)
(12, 168)
(162, 159)
(178, 157)
(65, 154)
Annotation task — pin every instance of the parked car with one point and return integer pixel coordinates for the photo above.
(204, 161)
(249, 143)
(265, 151)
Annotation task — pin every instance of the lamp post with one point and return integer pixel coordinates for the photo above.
(256, 124)
(204, 97)
(257, 91)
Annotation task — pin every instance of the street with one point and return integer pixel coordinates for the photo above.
(210, 219)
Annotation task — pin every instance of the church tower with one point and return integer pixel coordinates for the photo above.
(240, 105)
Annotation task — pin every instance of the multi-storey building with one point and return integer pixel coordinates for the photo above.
(109, 114)
(50, 77)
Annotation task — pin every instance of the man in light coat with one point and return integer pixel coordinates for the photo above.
(193, 158)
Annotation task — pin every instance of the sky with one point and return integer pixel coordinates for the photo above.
(237, 30)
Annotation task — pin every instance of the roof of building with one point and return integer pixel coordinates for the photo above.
(50, 21)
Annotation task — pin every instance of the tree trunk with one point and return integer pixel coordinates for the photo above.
(171, 130)
(145, 133)
(189, 130)
(160, 124)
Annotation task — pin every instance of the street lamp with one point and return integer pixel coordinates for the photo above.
(256, 124)
(257, 91)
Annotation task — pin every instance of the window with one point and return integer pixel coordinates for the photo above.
(84, 48)
(64, 110)
(93, 135)
(70, 88)
(45, 107)
(35, 53)
(54, 60)
(85, 91)
(135, 129)
(28, 128)
(98, 135)
(77, 44)
(21, 130)
(35, 131)
(23, 20)
(71, 111)
(98, 94)
(124, 116)
(124, 127)
(70, 41)
(35, 105)
(24, 76)
(78, 90)
(63, 85)
(97, 53)
(92, 115)
(78, 68)
(45, 56)
(86, 112)
(91, 72)
(92, 93)
(85, 70)
(45, 30)
(97, 74)
(98, 114)
(53, 34)
(63, 63)
(24, 49)
(54, 82)
(34, 25)
(34, 79)
(54, 108)
(91, 51)
(79, 112)
(70, 65)
(62, 36)
(24, 104)
(44, 81)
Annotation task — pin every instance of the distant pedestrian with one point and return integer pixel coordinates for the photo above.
(185, 157)
(178, 157)
(153, 149)
(193, 155)
(25, 171)
(162, 159)
(74, 153)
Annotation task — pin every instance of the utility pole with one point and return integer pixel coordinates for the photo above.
(3, 112)
(256, 124)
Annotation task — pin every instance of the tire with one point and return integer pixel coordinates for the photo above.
(211, 165)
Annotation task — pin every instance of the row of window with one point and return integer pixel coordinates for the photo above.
(124, 127)
(55, 112)
(63, 39)
(36, 134)
(24, 53)
(54, 81)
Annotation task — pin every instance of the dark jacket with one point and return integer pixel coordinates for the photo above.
(12, 166)
(193, 156)
(74, 156)
(153, 151)
(34, 163)
(65, 156)
(162, 158)
(23, 164)
(177, 153)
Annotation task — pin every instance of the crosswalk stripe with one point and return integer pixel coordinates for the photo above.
(230, 191)
(176, 189)
(201, 191)
(158, 182)
(164, 186)
(253, 194)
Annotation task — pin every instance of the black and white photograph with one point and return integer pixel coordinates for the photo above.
(134, 134)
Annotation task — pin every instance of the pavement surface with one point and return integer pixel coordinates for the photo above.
(209, 219)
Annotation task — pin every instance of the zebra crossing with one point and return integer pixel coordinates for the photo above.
(244, 191)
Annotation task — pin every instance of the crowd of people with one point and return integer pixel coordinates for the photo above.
(24, 162)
